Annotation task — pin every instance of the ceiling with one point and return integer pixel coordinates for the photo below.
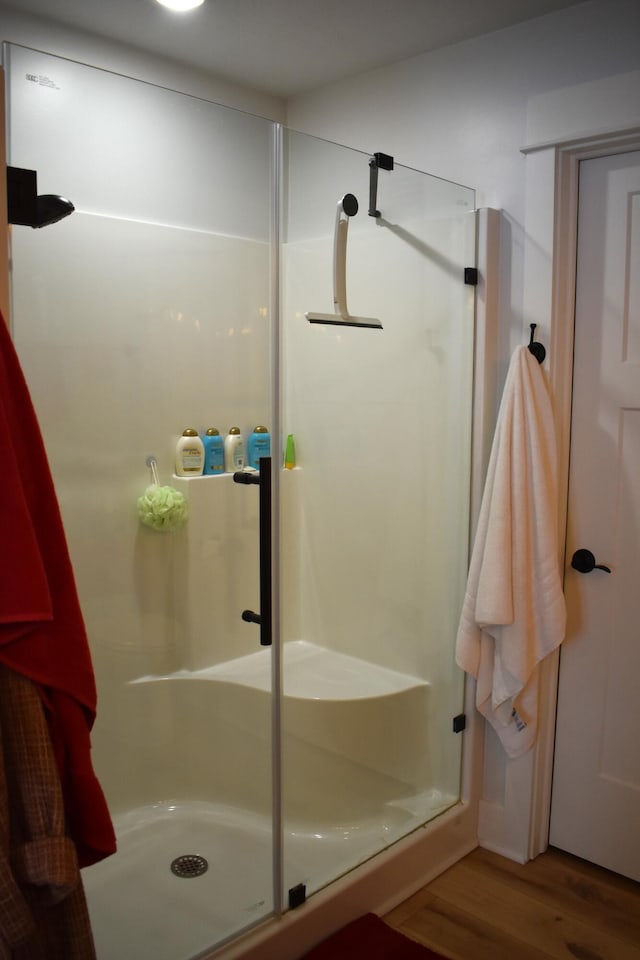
(287, 47)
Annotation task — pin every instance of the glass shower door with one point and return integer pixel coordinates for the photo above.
(375, 512)
(145, 312)
(152, 309)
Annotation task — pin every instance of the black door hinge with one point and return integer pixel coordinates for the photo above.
(297, 896)
(459, 723)
(471, 276)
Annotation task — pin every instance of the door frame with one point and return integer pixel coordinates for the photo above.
(552, 190)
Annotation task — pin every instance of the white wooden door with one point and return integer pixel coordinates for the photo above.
(595, 810)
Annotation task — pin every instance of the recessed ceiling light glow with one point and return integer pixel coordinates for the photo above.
(181, 6)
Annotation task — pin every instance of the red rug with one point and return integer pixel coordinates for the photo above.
(370, 938)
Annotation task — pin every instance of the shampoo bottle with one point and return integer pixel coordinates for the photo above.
(189, 454)
(234, 458)
(213, 452)
(259, 446)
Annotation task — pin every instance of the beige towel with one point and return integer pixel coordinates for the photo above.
(514, 612)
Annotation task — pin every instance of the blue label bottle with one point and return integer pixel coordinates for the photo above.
(213, 452)
(259, 446)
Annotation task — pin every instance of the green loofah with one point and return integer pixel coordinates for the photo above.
(162, 508)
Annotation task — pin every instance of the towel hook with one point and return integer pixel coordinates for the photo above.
(537, 349)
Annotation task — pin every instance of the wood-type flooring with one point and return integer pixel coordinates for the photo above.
(556, 907)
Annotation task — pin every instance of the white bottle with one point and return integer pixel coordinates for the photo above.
(234, 456)
(189, 454)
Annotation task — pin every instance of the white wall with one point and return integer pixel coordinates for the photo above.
(461, 113)
(47, 36)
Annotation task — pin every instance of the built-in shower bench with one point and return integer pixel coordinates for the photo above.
(310, 672)
(355, 735)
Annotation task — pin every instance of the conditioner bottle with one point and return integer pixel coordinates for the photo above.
(234, 456)
(189, 454)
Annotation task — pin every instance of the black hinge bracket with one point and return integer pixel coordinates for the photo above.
(28, 208)
(22, 196)
(471, 276)
(379, 161)
(459, 723)
(297, 896)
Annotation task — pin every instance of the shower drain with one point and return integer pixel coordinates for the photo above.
(189, 865)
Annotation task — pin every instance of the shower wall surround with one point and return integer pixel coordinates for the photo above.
(176, 295)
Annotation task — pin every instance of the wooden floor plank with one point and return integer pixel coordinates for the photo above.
(540, 910)
(408, 908)
(583, 890)
(502, 904)
(448, 929)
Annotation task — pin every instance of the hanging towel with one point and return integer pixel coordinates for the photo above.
(514, 611)
(43, 910)
(42, 633)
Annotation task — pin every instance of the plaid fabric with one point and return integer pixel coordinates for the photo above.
(43, 912)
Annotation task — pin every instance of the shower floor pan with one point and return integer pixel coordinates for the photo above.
(353, 782)
(140, 908)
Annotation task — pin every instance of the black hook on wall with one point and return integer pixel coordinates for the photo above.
(537, 349)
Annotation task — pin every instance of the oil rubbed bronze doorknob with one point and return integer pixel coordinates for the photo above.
(584, 562)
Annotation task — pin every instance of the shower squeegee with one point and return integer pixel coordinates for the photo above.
(347, 207)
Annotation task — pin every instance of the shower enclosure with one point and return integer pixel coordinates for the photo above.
(244, 778)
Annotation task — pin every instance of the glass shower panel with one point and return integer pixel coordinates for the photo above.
(145, 312)
(375, 512)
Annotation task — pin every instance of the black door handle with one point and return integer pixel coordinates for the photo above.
(584, 562)
(263, 478)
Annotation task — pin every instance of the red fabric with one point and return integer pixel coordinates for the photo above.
(42, 633)
(369, 937)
